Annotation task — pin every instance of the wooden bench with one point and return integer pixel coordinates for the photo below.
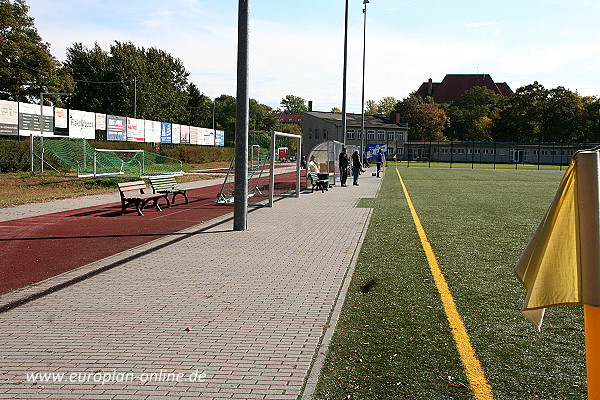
(132, 193)
(319, 181)
(167, 184)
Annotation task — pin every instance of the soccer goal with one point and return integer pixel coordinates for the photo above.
(273, 168)
(76, 157)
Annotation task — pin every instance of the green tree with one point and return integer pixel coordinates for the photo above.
(565, 117)
(129, 80)
(472, 116)
(522, 118)
(225, 112)
(262, 117)
(335, 110)
(26, 66)
(291, 104)
(426, 121)
(199, 108)
(371, 107)
(592, 109)
(385, 106)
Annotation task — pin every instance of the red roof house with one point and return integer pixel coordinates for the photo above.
(455, 85)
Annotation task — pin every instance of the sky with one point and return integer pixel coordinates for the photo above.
(296, 47)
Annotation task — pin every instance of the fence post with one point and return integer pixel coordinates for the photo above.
(31, 152)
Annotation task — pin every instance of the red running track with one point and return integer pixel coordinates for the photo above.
(37, 248)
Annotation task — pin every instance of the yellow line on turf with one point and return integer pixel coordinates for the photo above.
(479, 385)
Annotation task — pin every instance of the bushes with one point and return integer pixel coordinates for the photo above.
(14, 156)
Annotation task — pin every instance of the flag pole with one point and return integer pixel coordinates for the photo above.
(588, 193)
(592, 350)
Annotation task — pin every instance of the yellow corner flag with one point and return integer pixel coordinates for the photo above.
(561, 264)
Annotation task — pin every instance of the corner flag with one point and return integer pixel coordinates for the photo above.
(561, 264)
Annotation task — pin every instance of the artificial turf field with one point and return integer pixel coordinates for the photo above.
(393, 339)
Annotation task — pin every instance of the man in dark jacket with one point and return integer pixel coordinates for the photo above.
(356, 167)
(343, 161)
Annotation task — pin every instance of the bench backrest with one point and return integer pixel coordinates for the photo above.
(162, 182)
(313, 176)
(130, 186)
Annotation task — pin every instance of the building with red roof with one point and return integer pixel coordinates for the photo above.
(455, 85)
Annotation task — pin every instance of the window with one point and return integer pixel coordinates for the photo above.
(391, 135)
(371, 135)
(350, 134)
(324, 133)
(381, 135)
(401, 136)
(390, 150)
(316, 133)
(400, 150)
(310, 133)
(360, 136)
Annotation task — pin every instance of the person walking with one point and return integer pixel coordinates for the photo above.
(344, 163)
(356, 166)
(379, 159)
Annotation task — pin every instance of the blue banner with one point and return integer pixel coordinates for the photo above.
(165, 132)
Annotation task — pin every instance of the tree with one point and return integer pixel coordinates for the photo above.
(225, 112)
(371, 107)
(592, 109)
(26, 66)
(472, 115)
(129, 80)
(565, 117)
(199, 108)
(385, 106)
(291, 104)
(522, 118)
(262, 117)
(335, 110)
(426, 121)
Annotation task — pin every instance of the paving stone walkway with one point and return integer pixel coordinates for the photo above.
(208, 313)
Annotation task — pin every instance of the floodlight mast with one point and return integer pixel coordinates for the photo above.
(240, 211)
(362, 121)
(344, 123)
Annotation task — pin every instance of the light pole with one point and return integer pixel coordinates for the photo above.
(344, 127)
(362, 120)
(240, 211)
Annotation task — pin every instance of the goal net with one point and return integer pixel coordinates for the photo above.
(273, 168)
(67, 156)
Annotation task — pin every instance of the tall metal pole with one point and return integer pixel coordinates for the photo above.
(362, 119)
(240, 211)
(344, 126)
(134, 97)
